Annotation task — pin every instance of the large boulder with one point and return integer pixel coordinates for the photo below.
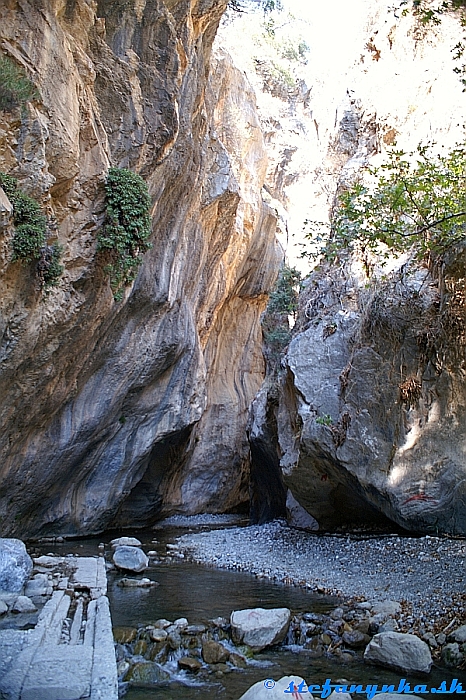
(360, 426)
(15, 564)
(271, 690)
(130, 559)
(259, 628)
(403, 652)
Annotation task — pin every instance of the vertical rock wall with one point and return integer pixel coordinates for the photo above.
(116, 413)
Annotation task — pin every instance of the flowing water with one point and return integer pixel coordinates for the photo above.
(200, 594)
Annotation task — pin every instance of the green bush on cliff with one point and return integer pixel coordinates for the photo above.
(15, 88)
(30, 224)
(127, 228)
(29, 240)
(283, 302)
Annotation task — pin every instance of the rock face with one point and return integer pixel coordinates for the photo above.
(404, 652)
(118, 413)
(15, 564)
(371, 410)
(259, 628)
(367, 423)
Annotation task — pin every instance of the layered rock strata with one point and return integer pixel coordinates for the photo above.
(115, 413)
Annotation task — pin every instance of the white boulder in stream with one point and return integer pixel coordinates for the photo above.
(271, 690)
(15, 564)
(130, 559)
(403, 652)
(259, 628)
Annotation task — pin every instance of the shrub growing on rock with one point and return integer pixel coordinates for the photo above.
(15, 88)
(127, 228)
(29, 240)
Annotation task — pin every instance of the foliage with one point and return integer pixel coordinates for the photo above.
(417, 202)
(15, 88)
(428, 14)
(284, 297)
(30, 223)
(29, 240)
(49, 267)
(283, 302)
(127, 228)
(266, 5)
(326, 419)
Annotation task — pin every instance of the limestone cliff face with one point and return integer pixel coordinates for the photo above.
(116, 413)
(367, 421)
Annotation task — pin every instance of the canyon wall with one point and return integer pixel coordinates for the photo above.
(365, 423)
(116, 413)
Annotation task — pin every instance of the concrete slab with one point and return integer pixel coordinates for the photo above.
(55, 661)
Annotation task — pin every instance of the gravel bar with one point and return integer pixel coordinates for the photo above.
(427, 573)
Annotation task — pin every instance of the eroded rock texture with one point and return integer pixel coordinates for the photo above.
(371, 414)
(116, 413)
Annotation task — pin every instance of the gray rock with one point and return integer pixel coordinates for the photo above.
(130, 558)
(274, 691)
(459, 635)
(259, 628)
(386, 608)
(187, 663)
(452, 655)
(125, 541)
(337, 614)
(214, 653)
(15, 564)
(298, 516)
(429, 638)
(158, 635)
(3, 607)
(136, 583)
(326, 463)
(404, 652)
(390, 625)
(39, 585)
(23, 604)
(355, 639)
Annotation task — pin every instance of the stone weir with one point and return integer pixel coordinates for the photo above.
(69, 653)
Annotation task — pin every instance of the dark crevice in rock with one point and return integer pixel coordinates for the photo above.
(267, 490)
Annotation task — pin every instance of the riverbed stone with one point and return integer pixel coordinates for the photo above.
(237, 660)
(214, 653)
(452, 655)
(125, 541)
(130, 558)
(15, 564)
(259, 627)
(268, 689)
(3, 607)
(136, 583)
(187, 663)
(386, 608)
(459, 635)
(23, 604)
(404, 652)
(356, 639)
(158, 635)
(147, 672)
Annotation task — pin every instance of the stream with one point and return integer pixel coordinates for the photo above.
(199, 594)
